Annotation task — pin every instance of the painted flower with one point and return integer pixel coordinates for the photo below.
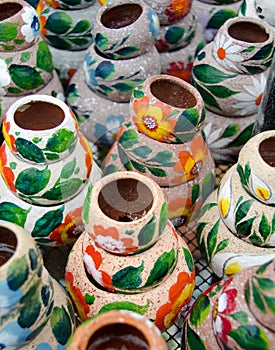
(152, 120)
(5, 78)
(77, 297)
(177, 10)
(9, 139)
(154, 25)
(93, 260)
(107, 133)
(190, 163)
(6, 171)
(109, 239)
(224, 306)
(180, 208)
(89, 156)
(162, 45)
(31, 29)
(226, 52)
(224, 205)
(70, 230)
(179, 297)
(53, 3)
(260, 188)
(249, 100)
(232, 268)
(42, 19)
(178, 69)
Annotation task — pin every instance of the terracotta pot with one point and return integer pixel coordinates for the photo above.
(214, 318)
(116, 79)
(170, 12)
(35, 311)
(118, 35)
(167, 109)
(117, 328)
(19, 25)
(66, 30)
(118, 211)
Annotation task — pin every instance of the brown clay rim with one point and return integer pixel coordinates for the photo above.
(267, 151)
(38, 115)
(9, 9)
(8, 244)
(173, 93)
(121, 16)
(248, 32)
(125, 199)
(117, 336)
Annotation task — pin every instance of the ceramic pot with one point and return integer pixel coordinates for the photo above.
(66, 30)
(119, 328)
(119, 212)
(35, 311)
(116, 79)
(54, 150)
(177, 35)
(170, 11)
(27, 71)
(71, 4)
(265, 11)
(99, 118)
(214, 318)
(118, 35)
(211, 16)
(167, 109)
(19, 26)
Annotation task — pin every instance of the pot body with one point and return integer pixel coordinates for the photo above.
(31, 301)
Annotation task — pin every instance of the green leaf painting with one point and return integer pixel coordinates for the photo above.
(29, 150)
(61, 324)
(25, 77)
(61, 140)
(128, 277)
(30, 310)
(146, 234)
(48, 222)
(18, 273)
(44, 57)
(32, 180)
(250, 337)
(58, 22)
(200, 311)
(8, 31)
(13, 213)
(126, 305)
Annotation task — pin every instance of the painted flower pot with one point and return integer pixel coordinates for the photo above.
(35, 311)
(19, 26)
(42, 143)
(167, 109)
(119, 328)
(170, 11)
(116, 79)
(236, 313)
(66, 29)
(119, 221)
(162, 304)
(124, 30)
(28, 71)
(99, 118)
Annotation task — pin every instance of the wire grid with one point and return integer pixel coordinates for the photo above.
(55, 262)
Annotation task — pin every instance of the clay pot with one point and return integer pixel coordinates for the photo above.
(35, 311)
(119, 35)
(235, 314)
(116, 79)
(19, 25)
(117, 328)
(54, 150)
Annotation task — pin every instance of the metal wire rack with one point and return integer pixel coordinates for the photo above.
(55, 261)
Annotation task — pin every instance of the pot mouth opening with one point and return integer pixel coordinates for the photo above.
(125, 200)
(8, 244)
(9, 9)
(38, 115)
(173, 93)
(121, 16)
(248, 32)
(118, 336)
(267, 151)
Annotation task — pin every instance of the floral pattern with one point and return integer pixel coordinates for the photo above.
(32, 27)
(107, 133)
(152, 120)
(177, 10)
(109, 239)
(6, 171)
(42, 18)
(5, 78)
(180, 70)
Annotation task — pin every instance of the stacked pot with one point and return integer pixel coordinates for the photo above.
(121, 57)
(25, 59)
(66, 27)
(130, 256)
(46, 165)
(231, 73)
(163, 139)
(35, 311)
(236, 225)
(180, 38)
